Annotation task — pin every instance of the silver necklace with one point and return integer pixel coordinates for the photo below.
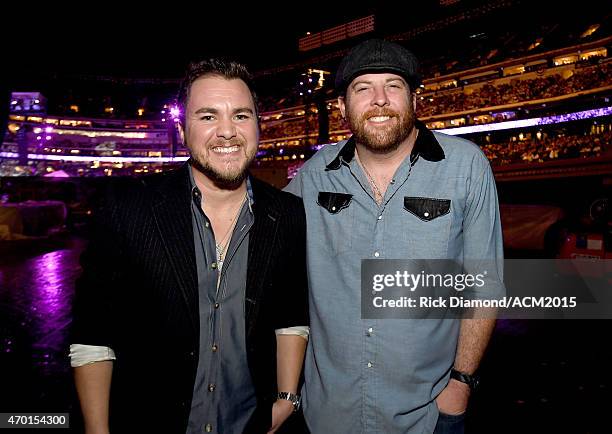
(378, 196)
(221, 247)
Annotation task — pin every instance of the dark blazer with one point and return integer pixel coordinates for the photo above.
(138, 294)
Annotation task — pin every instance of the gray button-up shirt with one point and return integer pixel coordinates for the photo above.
(382, 376)
(223, 394)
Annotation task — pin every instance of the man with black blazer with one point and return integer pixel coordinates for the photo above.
(191, 312)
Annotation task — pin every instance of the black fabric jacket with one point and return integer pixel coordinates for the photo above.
(138, 294)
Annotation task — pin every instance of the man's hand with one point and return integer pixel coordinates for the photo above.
(290, 351)
(453, 400)
(281, 410)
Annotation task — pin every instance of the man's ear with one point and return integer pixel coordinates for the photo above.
(181, 132)
(342, 106)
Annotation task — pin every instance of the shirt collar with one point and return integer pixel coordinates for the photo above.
(426, 146)
(196, 193)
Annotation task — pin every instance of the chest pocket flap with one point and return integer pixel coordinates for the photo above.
(334, 202)
(427, 208)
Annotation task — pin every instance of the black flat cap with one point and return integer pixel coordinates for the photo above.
(374, 56)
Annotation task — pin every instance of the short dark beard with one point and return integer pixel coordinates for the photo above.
(219, 180)
(390, 139)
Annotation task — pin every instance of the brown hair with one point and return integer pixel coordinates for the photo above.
(227, 69)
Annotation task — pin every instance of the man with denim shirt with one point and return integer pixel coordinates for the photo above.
(394, 190)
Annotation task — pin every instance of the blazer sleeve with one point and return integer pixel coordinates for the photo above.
(102, 271)
(292, 296)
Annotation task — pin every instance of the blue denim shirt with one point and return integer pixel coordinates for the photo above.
(382, 376)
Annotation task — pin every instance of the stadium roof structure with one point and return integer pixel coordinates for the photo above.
(149, 42)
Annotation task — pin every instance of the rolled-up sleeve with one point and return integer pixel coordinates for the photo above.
(302, 331)
(81, 355)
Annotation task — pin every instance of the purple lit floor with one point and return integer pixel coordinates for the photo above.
(36, 288)
(538, 376)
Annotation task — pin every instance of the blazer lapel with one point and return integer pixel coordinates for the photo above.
(172, 213)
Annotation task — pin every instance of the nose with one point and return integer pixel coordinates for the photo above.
(226, 129)
(379, 98)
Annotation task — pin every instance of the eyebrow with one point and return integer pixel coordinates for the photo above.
(388, 80)
(215, 111)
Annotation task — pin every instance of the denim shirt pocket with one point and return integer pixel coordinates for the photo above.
(428, 226)
(427, 208)
(337, 220)
(334, 202)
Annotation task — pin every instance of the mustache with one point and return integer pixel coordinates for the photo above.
(379, 112)
(228, 143)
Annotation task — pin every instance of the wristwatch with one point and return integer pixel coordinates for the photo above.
(291, 397)
(470, 380)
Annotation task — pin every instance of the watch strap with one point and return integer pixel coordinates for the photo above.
(470, 380)
(291, 397)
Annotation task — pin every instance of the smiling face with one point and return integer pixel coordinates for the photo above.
(380, 110)
(221, 128)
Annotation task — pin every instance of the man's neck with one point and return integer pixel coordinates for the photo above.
(215, 196)
(384, 165)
